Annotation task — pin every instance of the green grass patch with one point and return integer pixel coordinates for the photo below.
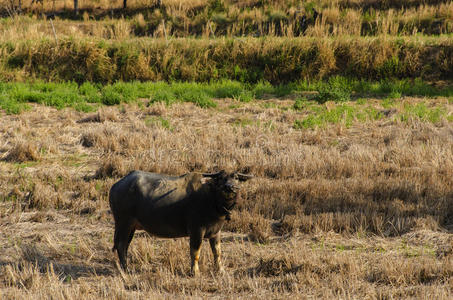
(337, 89)
(16, 96)
(422, 112)
(11, 106)
(26, 164)
(159, 121)
(262, 88)
(320, 116)
(300, 104)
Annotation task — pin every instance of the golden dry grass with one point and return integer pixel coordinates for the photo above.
(358, 212)
(274, 59)
(230, 18)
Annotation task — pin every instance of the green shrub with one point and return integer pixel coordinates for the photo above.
(110, 96)
(285, 89)
(128, 91)
(12, 107)
(262, 88)
(21, 92)
(192, 92)
(245, 96)
(391, 68)
(198, 97)
(227, 89)
(300, 104)
(84, 107)
(422, 112)
(164, 95)
(91, 92)
(162, 122)
(337, 89)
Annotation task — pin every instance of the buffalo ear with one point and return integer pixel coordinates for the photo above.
(243, 177)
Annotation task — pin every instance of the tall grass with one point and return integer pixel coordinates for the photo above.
(232, 18)
(277, 60)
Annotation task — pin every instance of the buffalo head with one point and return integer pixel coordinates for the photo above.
(226, 187)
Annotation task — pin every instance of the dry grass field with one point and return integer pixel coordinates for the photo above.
(350, 200)
(359, 209)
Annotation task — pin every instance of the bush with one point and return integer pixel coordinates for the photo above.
(164, 95)
(337, 89)
(198, 97)
(110, 96)
(228, 89)
(91, 92)
(261, 88)
(300, 104)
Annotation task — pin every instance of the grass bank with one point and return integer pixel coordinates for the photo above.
(277, 60)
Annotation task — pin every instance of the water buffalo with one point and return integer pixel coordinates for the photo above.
(193, 204)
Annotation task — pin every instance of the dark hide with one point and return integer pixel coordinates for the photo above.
(172, 207)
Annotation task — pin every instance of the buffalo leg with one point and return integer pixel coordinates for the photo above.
(215, 247)
(195, 247)
(123, 237)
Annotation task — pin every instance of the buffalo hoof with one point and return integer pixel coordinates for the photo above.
(195, 272)
(220, 270)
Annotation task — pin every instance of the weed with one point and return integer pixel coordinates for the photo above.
(164, 123)
(361, 101)
(164, 95)
(84, 107)
(300, 104)
(262, 88)
(245, 96)
(422, 112)
(12, 107)
(15, 96)
(234, 106)
(388, 102)
(110, 96)
(394, 95)
(284, 89)
(269, 105)
(194, 95)
(339, 114)
(337, 89)
(91, 92)
(227, 89)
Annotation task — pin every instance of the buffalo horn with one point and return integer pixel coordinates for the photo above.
(243, 177)
(212, 175)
